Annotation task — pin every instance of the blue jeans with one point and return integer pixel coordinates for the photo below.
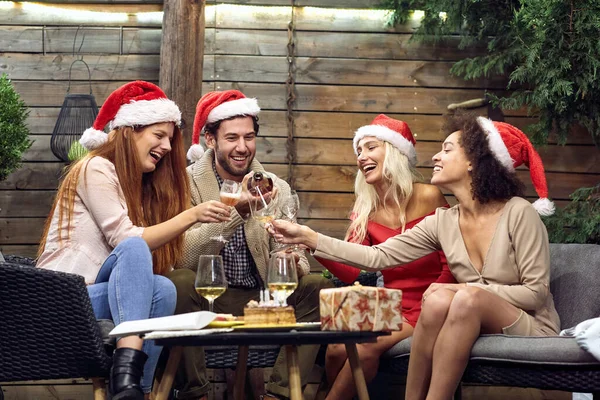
(126, 289)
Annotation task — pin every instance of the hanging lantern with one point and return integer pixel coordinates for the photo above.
(78, 112)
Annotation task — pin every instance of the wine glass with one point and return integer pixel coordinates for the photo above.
(282, 279)
(210, 278)
(289, 207)
(262, 210)
(230, 193)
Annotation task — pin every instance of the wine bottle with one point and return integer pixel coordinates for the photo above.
(260, 182)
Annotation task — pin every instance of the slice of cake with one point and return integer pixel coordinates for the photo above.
(266, 314)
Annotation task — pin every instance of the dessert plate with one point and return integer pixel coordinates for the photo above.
(299, 326)
(224, 324)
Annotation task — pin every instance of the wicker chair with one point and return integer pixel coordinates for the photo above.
(552, 363)
(49, 330)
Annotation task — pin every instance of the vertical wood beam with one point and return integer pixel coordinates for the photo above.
(182, 56)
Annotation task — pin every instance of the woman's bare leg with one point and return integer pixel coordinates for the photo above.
(433, 315)
(335, 358)
(473, 311)
(343, 386)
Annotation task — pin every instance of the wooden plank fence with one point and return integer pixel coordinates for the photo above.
(350, 67)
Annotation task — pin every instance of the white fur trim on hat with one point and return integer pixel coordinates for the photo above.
(93, 138)
(496, 143)
(146, 112)
(195, 152)
(245, 106)
(544, 207)
(386, 134)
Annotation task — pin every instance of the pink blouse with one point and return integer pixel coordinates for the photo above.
(100, 222)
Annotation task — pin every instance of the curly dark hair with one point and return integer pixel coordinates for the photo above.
(490, 180)
(212, 128)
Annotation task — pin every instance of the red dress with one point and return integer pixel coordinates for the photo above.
(412, 278)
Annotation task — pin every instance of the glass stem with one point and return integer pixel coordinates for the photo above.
(210, 305)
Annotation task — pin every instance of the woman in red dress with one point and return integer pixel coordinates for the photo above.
(389, 200)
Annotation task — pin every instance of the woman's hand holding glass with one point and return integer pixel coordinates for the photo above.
(230, 195)
(210, 278)
(282, 278)
(289, 233)
(211, 211)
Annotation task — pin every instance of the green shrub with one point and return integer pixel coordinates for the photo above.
(14, 133)
(579, 221)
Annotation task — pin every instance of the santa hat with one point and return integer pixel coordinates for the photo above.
(512, 148)
(390, 130)
(135, 103)
(217, 106)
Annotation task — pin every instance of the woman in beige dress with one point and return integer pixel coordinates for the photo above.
(495, 243)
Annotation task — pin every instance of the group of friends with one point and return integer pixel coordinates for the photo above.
(132, 218)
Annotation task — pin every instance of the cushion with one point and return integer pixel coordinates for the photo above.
(575, 281)
(555, 350)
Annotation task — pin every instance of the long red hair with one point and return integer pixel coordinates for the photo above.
(152, 197)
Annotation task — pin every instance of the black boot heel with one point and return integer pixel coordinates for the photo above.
(126, 373)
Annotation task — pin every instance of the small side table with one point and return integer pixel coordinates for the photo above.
(290, 340)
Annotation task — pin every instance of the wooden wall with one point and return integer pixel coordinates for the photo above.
(350, 68)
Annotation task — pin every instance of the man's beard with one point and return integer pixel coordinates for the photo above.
(224, 163)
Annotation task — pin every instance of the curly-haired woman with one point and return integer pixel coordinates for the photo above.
(495, 243)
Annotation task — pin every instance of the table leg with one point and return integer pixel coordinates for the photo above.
(166, 382)
(240, 373)
(294, 372)
(357, 372)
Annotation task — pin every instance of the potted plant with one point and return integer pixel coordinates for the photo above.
(14, 133)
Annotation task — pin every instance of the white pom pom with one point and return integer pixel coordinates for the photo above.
(195, 152)
(544, 207)
(93, 138)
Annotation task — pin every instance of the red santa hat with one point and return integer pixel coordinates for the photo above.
(512, 148)
(217, 106)
(135, 103)
(390, 130)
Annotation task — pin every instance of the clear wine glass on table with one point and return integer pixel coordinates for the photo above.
(282, 278)
(230, 193)
(210, 278)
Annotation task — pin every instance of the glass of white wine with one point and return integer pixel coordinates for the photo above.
(210, 278)
(263, 210)
(282, 278)
(230, 194)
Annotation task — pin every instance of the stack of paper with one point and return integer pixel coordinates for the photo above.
(181, 322)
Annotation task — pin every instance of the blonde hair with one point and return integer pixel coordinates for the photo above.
(151, 198)
(399, 175)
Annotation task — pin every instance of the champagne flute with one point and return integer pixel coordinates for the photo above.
(230, 193)
(282, 279)
(210, 278)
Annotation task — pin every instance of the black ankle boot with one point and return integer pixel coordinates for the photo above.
(126, 373)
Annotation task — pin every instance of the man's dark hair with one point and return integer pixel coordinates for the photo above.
(490, 179)
(213, 127)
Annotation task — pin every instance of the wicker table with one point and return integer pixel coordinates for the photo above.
(290, 339)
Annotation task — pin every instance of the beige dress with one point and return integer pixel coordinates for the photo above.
(516, 267)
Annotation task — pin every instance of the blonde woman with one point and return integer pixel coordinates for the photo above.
(389, 200)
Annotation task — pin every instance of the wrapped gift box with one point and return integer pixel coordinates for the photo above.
(361, 308)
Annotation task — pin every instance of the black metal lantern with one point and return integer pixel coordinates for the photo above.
(78, 113)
